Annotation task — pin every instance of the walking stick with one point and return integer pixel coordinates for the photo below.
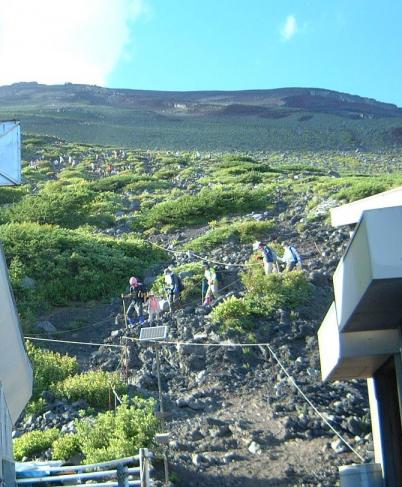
(124, 310)
(202, 291)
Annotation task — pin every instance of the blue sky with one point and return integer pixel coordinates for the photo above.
(353, 46)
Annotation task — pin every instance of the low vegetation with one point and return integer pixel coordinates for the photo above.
(204, 206)
(94, 387)
(49, 368)
(239, 232)
(265, 294)
(118, 434)
(65, 265)
(34, 443)
(109, 435)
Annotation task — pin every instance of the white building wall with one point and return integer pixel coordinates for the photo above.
(15, 367)
(6, 447)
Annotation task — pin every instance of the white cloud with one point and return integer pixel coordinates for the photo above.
(55, 41)
(289, 28)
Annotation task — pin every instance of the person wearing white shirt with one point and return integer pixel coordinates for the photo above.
(291, 258)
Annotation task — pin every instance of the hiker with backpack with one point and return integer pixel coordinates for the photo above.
(137, 294)
(291, 258)
(211, 276)
(173, 286)
(268, 256)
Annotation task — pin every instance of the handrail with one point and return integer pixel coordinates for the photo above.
(78, 476)
(117, 470)
(110, 463)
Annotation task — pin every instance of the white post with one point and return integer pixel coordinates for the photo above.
(146, 461)
(144, 468)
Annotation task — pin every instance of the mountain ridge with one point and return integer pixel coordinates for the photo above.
(277, 119)
(277, 97)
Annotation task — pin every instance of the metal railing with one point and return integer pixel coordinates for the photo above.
(115, 469)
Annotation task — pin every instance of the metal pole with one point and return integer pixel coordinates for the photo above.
(165, 460)
(142, 466)
(158, 370)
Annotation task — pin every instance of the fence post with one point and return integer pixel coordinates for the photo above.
(122, 475)
(144, 468)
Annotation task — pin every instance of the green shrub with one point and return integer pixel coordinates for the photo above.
(118, 434)
(265, 295)
(70, 265)
(286, 290)
(93, 386)
(65, 447)
(68, 205)
(209, 203)
(49, 367)
(34, 443)
(35, 407)
(243, 231)
(363, 189)
(115, 182)
(234, 314)
(12, 194)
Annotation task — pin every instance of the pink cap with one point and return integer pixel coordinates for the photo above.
(133, 281)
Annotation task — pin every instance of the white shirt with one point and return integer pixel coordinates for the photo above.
(289, 257)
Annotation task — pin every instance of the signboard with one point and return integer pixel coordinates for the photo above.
(10, 153)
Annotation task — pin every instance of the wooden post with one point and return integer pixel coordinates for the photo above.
(144, 468)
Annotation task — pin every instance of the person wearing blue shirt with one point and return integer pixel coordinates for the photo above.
(269, 258)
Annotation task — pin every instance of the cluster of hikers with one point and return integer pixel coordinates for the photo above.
(143, 302)
(271, 260)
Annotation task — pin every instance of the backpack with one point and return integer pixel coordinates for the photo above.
(138, 293)
(295, 259)
(268, 254)
(219, 273)
(180, 285)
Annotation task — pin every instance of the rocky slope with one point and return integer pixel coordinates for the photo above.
(233, 415)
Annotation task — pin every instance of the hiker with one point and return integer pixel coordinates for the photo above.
(173, 286)
(212, 281)
(137, 294)
(291, 258)
(268, 256)
(153, 307)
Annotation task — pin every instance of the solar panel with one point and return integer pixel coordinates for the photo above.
(154, 333)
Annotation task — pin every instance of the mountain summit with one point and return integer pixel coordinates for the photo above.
(286, 118)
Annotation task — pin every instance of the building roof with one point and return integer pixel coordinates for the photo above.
(351, 213)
